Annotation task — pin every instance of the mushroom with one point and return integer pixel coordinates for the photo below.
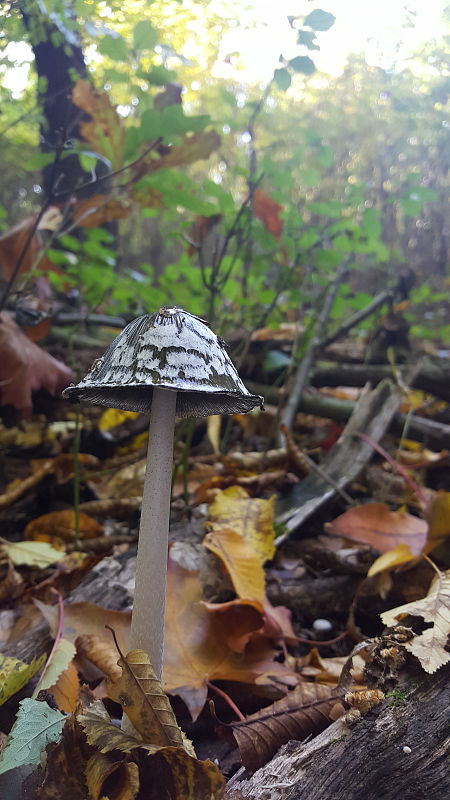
(167, 364)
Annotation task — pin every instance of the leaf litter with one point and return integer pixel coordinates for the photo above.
(263, 625)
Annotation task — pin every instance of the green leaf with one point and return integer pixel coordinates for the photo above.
(36, 725)
(39, 160)
(282, 79)
(115, 47)
(159, 76)
(33, 554)
(145, 36)
(14, 675)
(320, 20)
(303, 64)
(308, 39)
(62, 655)
(330, 209)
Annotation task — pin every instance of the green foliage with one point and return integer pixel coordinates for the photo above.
(36, 725)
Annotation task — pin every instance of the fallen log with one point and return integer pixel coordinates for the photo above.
(432, 376)
(421, 429)
(400, 749)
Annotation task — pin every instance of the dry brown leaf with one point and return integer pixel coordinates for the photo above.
(124, 776)
(95, 211)
(304, 712)
(65, 690)
(429, 646)
(12, 243)
(139, 692)
(163, 771)
(25, 367)
(104, 132)
(64, 766)
(99, 652)
(242, 563)
(383, 529)
(60, 525)
(252, 517)
(268, 211)
(197, 651)
(88, 618)
(240, 621)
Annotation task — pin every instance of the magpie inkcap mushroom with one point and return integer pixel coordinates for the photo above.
(169, 364)
(170, 349)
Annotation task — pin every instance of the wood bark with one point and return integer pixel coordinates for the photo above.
(399, 750)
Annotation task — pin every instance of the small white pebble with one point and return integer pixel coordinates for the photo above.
(406, 749)
(322, 626)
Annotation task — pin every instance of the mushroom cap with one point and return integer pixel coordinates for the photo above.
(173, 350)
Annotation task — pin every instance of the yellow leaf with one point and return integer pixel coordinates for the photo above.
(32, 554)
(251, 517)
(113, 417)
(438, 517)
(14, 675)
(243, 564)
(61, 658)
(399, 555)
(139, 692)
(213, 429)
(429, 646)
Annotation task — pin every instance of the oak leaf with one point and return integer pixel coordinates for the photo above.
(430, 646)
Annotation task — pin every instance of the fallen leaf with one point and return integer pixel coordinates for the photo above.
(303, 713)
(101, 653)
(268, 211)
(383, 529)
(36, 725)
(393, 558)
(65, 690)
(242, 563)
(252, 517)
(139, 692)
(438, 518)
(57, 664)
(60, 525)
(32, 554)
(14, 674)
(163, 771)
(240, 621)
(25, 367)
(429, 646)
(196, 650)
(88, 618)
(64, 770)
(124, 776)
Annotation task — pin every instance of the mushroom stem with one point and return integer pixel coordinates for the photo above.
(147, 624)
